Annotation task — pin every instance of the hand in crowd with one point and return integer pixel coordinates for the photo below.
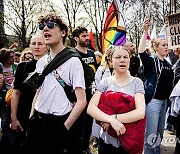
(16, 126)
(146, 24)
(14, 45)
(118, 127)
(105, 126)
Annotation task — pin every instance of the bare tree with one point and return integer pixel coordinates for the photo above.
(96, 11)
(138, 11)
(24, 12)
(72, 8)
(2, 32)
(21, 16)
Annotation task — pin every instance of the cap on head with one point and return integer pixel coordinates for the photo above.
(97, 53)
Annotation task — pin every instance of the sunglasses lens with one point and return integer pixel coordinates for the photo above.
(50, 25)
(41, 26)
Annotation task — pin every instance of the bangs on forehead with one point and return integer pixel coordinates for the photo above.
(115, 48)
(112, 48)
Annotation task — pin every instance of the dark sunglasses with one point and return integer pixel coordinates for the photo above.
(50, 25)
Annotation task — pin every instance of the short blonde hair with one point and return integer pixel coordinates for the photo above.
(114, 48)
(155, 43)
(109, 53)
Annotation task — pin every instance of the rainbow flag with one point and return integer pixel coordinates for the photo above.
(114, 32)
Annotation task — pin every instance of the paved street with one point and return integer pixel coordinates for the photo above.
(167, 145)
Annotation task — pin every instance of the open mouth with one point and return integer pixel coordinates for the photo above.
(47, 35)
(122, 66)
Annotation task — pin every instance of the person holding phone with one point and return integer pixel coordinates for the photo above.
(158, 85)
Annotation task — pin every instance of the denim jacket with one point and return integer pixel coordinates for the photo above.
(152, 72)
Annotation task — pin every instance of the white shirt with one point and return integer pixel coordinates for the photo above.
(175, 99)
(52, 98)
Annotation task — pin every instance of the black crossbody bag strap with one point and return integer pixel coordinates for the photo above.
(35, 79)
(70, 93)
(59, 59)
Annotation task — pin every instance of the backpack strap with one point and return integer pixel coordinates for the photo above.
(59, 59)
(34, 80)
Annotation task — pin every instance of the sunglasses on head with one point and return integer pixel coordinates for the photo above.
(50, 25)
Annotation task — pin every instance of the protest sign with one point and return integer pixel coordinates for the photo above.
(173, 30)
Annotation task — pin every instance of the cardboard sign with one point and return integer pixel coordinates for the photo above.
(173, 30)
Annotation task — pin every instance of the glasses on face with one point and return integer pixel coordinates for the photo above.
(28, 58)
(50, 25)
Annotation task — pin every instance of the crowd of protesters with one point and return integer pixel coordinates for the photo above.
(122, 101)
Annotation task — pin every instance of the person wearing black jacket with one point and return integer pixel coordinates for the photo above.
(158, 84)
(81, 38)
(134, 60)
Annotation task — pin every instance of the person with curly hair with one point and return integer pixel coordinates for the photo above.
(52, 126)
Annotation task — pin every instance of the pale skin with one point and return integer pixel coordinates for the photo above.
(131, 47)
(38, 47)
(120, 62)
(54, 39)
(1, 80)
(161, 50)
(84, 39)
(177, 52)
(146, 25)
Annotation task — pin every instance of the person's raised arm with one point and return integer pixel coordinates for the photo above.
(142, 44)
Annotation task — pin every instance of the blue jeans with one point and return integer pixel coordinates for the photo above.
(155, 114)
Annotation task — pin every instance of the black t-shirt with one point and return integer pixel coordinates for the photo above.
(26, 97)
(134, 65)
(165, 82)
(90, 60)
